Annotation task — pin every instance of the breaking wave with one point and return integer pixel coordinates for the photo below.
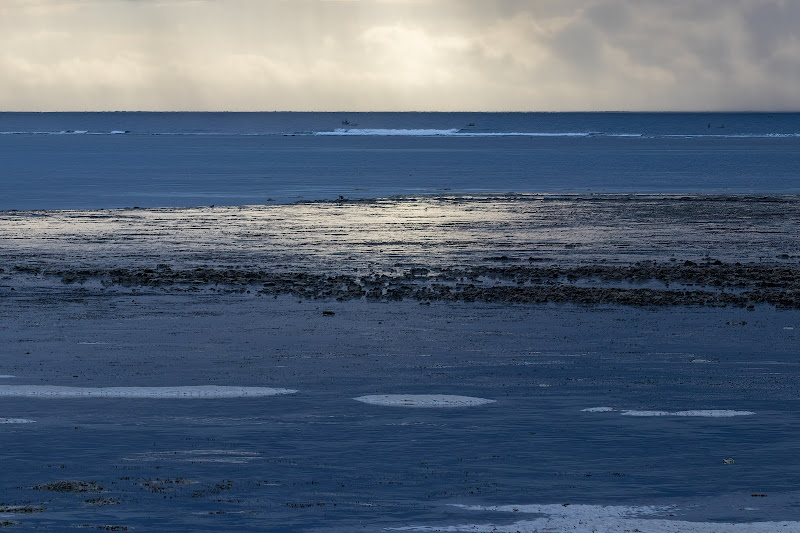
(200, 391)
(412, 132)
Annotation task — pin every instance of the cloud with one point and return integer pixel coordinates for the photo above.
(399, 54)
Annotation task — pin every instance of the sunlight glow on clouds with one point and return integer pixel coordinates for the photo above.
(398, 54)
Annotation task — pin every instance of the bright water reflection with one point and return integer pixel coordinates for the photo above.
(393, 234)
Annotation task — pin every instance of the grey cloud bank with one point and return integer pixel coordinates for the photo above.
(399, 55)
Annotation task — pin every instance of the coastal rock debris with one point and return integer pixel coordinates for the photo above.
(74, 487)
(714, 284)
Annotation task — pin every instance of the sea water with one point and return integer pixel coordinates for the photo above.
(112, 160)
(531, 449)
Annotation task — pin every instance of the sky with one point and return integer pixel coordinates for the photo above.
(399, 55)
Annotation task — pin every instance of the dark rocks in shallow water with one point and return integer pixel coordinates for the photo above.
(22, 509)
(74, 487)
(102, 502)
(669, 284)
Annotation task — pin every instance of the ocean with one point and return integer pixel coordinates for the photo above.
(338, 322)
(116, 160)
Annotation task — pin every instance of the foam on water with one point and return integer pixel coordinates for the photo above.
(417, 132)
(16, 421)
(713, 413)
(644, 413)
(454, 132)
(388, 132)
(198, 456)
(608, 519)
(202, 391)
(422, 400)
(709, 413)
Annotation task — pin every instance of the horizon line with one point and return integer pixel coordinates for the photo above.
(677, 111)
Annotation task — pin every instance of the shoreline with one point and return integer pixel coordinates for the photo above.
(455, 195)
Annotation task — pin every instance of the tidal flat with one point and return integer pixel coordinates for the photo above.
(613, 362)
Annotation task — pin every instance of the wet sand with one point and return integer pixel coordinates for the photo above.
(610, 353)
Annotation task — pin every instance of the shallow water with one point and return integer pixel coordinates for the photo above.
(318, 460)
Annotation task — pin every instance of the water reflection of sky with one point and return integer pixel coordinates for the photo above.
(391, 234)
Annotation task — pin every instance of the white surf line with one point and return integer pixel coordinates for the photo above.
(193, 392)
(709, 413)
(422, 400)
(6, 376)
(199, 456)
(608, 519)
(16, 421)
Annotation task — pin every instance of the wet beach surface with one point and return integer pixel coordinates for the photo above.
(280, 297)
